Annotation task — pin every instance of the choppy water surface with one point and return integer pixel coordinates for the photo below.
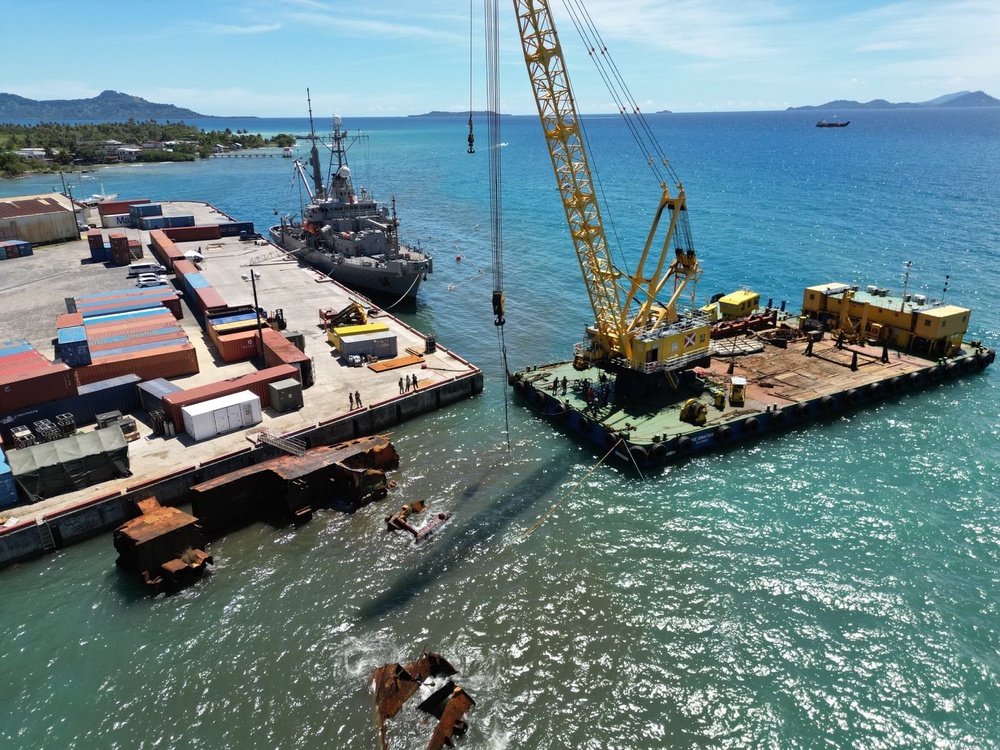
(835, 586)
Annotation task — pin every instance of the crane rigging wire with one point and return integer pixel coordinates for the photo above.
(492, 28)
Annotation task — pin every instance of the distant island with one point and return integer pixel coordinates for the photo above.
(957, 100)
(108, 106)
(475, 113)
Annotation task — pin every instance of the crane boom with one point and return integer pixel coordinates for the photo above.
(655, 338)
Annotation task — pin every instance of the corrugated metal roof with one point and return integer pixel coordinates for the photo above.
(33, 205)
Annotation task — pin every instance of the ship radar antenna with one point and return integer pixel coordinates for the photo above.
(906, 282)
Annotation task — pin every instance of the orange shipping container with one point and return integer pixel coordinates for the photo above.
(237, 347)
(48, 382)
(169, 362)
(68, 320)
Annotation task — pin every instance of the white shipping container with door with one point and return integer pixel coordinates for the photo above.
(220, 415)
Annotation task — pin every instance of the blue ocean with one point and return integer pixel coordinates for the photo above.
(832, 586)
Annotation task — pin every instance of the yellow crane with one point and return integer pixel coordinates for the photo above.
(633, 332)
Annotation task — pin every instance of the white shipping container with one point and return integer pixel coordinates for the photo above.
(113, 221)
(381, 345)
(220, 415)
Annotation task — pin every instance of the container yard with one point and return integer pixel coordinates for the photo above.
(198, 382)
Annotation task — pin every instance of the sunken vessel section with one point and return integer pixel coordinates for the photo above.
(350, 237)
(767, 371)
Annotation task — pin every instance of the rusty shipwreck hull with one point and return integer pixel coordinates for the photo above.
(345, 476)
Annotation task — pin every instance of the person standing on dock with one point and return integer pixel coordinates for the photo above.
(401, 383)
(350, 397)
(357, 400)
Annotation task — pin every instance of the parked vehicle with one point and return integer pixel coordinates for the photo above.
(150, 279)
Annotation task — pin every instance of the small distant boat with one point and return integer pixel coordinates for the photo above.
(96, 198)
(287, 152)
(825, 124)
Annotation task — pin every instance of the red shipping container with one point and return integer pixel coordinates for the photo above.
(209, 300)
(279, 350)
(35, 387)
(237, 347)
(68, 320)
(255, 382)
(111, 328)
(111, 208)
(13, 366)
(95, 240)
(169, 362)
(184, 267)
(194, 234)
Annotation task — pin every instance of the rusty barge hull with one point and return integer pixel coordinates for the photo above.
(344, 475)
(788, 385)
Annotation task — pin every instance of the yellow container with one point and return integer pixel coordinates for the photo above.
(336, 335)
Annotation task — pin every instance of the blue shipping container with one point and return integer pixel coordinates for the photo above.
(94, 398)
(130, 315)
(178, 221)
(8, 490)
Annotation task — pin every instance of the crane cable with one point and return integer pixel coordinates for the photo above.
(492, 28)
(472, 136)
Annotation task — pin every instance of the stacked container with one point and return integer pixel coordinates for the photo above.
(280, 351)
(28, 378)
(10, 249)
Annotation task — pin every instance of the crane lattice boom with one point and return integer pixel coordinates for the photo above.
(654, 338)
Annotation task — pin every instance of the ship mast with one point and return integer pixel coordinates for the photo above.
(319, 191)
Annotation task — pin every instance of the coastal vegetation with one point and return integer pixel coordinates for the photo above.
(68, 145)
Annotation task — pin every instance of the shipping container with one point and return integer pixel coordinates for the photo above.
(195, 280)
(381, 345)
(237, 347)
(140, 348)
(171, 362)
(131, 327)
(145, 209)
(336, 335)
(255, 382)
(68, 320)
(207, 300)
(132, 315)
(237, 229)
(74, 349)
(285, 395)
(95, 239)
(8, 489)
(134, 336)
(119, 207)
(151, 393)
(221, 415)
(15, 347)
(184, 267)
(119, 394)
(45, 383)
(297, 338)
(175, 222)
(201, 233)
(115, 221)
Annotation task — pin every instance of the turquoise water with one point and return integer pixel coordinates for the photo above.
(834, 586)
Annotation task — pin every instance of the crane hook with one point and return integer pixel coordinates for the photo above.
(472, 137)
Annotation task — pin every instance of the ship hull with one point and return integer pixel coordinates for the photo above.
(393, 278)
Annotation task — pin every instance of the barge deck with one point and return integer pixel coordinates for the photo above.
(791, 383)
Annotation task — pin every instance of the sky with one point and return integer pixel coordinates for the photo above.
(400, 57)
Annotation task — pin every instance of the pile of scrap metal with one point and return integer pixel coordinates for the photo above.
(393, 685)
(343, 476)
(399, 521)
(163, 545)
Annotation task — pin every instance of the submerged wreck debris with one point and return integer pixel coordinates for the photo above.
(344, 476)
(393, 685)
(164, 546)
(400, 521)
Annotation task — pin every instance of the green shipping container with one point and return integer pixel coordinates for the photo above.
(286, 395)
